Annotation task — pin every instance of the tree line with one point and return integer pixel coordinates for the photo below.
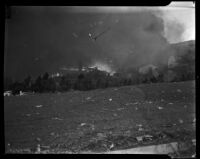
(85, 81)
(95, 78)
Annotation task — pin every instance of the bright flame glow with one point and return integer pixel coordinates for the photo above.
(103, 67)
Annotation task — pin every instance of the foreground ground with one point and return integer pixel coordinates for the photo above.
(100, 120)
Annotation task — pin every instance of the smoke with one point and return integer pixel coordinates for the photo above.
(179, 23)
(135, 39)
(174, 31)
(103, 67)
(44, 39)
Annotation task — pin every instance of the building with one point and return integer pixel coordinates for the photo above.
(7, 93)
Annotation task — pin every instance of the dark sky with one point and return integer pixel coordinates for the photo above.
(40, 39)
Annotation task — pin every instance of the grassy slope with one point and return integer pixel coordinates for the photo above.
(107, 122)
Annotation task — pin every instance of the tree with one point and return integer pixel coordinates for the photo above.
(45, 76)
(65, 83)
(186, 66)
(51, 85)
(80, 82)
(16, 87)
(7, 83)
(38, 84)
(46, 83)
(81, 76)
(27, 83)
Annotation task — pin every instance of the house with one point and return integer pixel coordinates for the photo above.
(7, 93)
(21, 93)
(25, 93)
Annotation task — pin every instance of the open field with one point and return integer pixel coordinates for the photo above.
(100, 120)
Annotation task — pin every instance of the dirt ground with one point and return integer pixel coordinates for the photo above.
(100, 120)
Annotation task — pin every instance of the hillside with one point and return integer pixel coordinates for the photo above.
(184, 47)
(100, 120)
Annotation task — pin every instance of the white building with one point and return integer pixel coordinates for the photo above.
(7, 93)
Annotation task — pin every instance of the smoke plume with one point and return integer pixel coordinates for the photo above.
(44, 39)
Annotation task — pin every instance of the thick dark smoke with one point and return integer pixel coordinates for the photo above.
(137, 39)
(41, 39)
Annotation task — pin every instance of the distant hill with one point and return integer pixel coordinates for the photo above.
(184, 55)
(179, 62)
(185, 43)
(184, 47)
